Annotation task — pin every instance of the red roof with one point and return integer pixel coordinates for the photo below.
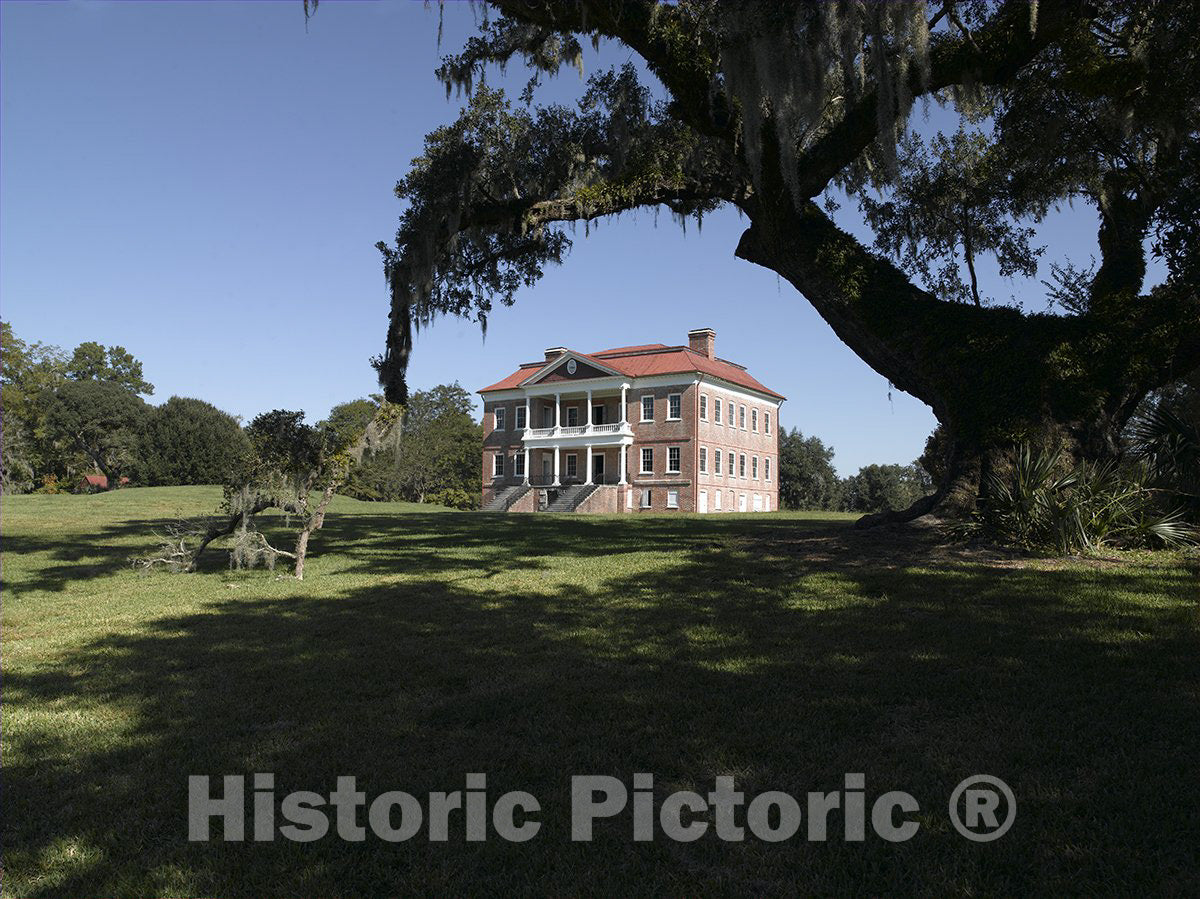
(99, 480)
(649, 359)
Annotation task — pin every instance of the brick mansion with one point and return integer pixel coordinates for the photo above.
(631, 429)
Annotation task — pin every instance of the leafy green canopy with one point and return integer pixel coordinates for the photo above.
(189, 441)
(770, 106)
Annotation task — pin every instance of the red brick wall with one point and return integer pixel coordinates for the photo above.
(660, 435)
(748, 441)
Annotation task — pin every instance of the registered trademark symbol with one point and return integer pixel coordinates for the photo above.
(982, 808)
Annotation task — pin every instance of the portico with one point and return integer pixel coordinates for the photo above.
(583, 438)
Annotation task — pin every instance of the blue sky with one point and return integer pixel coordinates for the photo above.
(204, 184)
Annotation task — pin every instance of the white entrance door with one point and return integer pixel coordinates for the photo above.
(703, 501)
(717, 500)
(598, 468)
(741, 502)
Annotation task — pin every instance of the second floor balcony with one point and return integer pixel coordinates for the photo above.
(609, 431)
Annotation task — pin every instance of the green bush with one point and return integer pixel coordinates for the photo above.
(454, 497)
(1039, 502)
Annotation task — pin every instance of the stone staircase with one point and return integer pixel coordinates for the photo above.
(504, 499)
(568, 499)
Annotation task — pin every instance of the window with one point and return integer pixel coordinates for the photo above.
(646, 498)
(520, 418)
(766, 422)
(674, 408)
(519, 465)
(498, 465)
(767, 468)
(742, 465)
(754, 467)
(717, 411)
(716, 462)
(672, 499)
(717, 500)
(572, 465)
(647, 460)
(499, 418)
(753, 419)
(703, 407)
(598, 415)
(731, 463)
(703, 460)
(673, 460)
(648, 407)
(572, 416)
(742, 417)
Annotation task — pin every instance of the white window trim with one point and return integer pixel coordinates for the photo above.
(742, 418)
(767, 468)
(498, 465)
(642, 460)
(567, 416)
(675, 504)
(500, 418)
(704, 407)
(732, 464)
(519, 463)
(754, 420)
(716, 410)
(742, 466)
(650, 397)
(678, 397)
(754, 467)
(518, 416)
(567, 458)
(717, 460)
(766, 422)
(646, 498)
(679, 455)
(703, 460)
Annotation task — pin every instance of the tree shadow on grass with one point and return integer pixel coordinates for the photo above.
(781, 660)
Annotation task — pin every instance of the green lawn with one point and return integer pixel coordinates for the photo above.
(783, 649)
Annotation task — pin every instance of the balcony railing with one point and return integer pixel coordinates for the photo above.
(615, 427)
(547, 480)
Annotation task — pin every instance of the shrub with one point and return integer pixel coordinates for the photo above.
(454, 497)
(1040, 503)
(189, 441)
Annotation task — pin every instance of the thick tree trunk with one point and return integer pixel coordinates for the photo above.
(993, 376)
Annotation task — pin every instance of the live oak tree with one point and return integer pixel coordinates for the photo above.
(102, 421)
(779, 108)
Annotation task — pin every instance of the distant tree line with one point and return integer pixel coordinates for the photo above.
(70, 417)
(807, 480)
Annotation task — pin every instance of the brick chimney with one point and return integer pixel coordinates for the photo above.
(704, 342)
(554, 352)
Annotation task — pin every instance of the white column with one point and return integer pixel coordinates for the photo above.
(556, 481)
(588, 421)
(528, 422)
(526, 481)
(621, 456)
(557, 422)
(623, 412)
(588, 479)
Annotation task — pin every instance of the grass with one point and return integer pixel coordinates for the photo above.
(783, 649)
